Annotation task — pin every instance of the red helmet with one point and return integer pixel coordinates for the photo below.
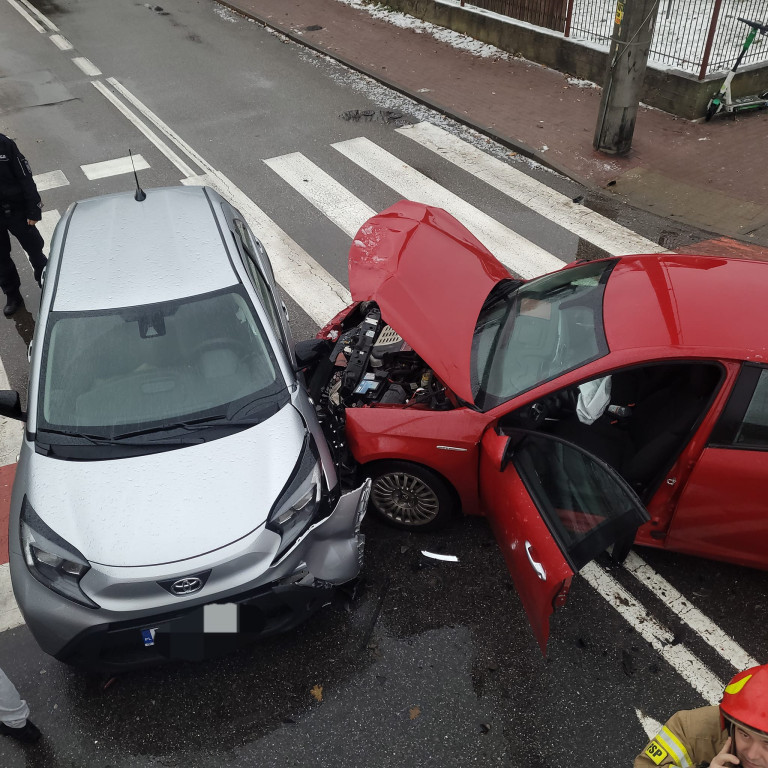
(745, 700)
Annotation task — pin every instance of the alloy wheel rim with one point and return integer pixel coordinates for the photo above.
(405, 499)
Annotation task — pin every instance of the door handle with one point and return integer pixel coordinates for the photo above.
(538, 567)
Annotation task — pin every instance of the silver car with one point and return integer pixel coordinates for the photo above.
(174, 491)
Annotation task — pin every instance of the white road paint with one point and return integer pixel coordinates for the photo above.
(704, 627)
(10, 615)
(142, 126)
(114, 167)
(517, 253)
(26, 15)
(46, 226)
(556, 207)
(86, 66)
(316, 291)
(50, 180)
(648, 724)
(321, 296)
(11, 432)
(688, 666)
(35, 12)
(329, 197)
(61, 42)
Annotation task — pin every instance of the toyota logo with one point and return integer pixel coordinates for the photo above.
(187, 586)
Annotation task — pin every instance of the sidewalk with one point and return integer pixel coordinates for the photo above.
(710, 175)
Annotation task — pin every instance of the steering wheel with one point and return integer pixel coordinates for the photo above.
(534, 415)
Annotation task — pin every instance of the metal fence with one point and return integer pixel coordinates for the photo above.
(542, 13)
(698, 36)
(682, 31)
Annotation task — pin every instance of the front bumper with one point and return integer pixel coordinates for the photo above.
(285, 593)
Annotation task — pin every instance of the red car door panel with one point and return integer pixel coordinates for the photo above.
(723, 510)
(553, 508)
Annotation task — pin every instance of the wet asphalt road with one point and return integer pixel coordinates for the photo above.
(431, 663)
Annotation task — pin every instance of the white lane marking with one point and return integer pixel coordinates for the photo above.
(313, 288)
(86, 66)
(316, 291)
(24, 13)
(556, 207)
(151, 135)
(650, 726)
(703, 626)
(11, 433)
(324, 192)
(114, 167)
(46, 226)
(692, 670)
(61, 42)
(31, 8)
(50, 180)
(10, 615)
(516, 252)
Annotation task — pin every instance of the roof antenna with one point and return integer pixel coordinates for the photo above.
(140, 193)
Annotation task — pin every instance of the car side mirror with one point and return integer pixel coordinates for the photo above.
(10, 405)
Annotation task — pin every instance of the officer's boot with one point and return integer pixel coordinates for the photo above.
(13, 302)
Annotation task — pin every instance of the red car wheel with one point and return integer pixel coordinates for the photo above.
(411, 496)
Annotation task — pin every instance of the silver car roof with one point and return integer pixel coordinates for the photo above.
(118, 252)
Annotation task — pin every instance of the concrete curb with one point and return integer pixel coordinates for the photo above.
(517, 146)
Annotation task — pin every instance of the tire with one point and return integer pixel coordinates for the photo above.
(712, 108)
(410, 496)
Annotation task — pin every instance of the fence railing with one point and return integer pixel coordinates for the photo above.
(698, 36)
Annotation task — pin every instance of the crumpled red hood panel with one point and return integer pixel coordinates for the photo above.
(430, 277)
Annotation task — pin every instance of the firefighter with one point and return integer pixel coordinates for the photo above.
(20, 210)
(736, 733)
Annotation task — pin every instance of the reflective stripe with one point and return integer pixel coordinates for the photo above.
(675, 747)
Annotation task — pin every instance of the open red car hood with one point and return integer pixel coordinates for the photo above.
(430, 276)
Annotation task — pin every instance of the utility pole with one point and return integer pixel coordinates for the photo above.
(627, 59)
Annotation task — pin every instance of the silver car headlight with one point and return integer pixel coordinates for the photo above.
(300, 502)
(52, 561)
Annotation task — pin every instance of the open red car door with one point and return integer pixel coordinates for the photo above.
(553, 507)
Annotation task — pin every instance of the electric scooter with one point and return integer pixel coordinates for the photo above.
(722, 102)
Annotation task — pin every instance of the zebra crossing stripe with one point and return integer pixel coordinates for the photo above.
(518, 254)
(309, 284)
(332, 199)
(46, 226)
(556, 207)
(50, 180)
(114, 167)
(10, 615)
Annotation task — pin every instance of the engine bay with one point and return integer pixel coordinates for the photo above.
(372, 365)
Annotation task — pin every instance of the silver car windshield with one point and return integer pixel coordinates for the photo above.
(137, 368)
(528, 334)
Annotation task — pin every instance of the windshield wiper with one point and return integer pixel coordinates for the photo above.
(95, 439)
(188, 424)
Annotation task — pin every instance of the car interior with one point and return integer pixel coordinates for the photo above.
(124, 369)
(653, 411)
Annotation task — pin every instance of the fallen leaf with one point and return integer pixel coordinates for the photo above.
(317, 692)
(414, 712)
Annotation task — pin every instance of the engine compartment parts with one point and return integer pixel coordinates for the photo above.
(374, 365)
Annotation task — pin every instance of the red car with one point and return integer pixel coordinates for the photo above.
(614, 400)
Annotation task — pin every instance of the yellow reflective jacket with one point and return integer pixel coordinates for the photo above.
(691, 737)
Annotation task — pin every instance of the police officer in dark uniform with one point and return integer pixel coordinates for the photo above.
(20, 210)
